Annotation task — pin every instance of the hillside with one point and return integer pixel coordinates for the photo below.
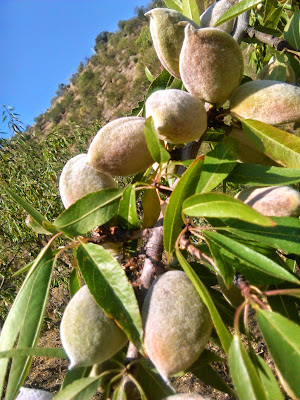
(110, 83)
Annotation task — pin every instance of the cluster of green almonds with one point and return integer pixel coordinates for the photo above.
(210, 64)
(177, 324)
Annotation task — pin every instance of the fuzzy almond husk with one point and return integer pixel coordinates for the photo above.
(178, 116)
(78, 179)
(275, 68)
(168, 36)
(273, 201)
(214, 12)
(88, 335)
(211, 64)
(120, 148)
(271, 102)
(33, 394)
(177, 324)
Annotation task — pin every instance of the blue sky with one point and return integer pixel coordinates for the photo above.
(42, 43)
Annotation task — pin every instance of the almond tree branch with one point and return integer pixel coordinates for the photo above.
(275, 42)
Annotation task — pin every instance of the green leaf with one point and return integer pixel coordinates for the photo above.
(74, 282)
(157, 150)
(219, 205)
(236, 10)
(282, 337)
(223, 332)
(74, 374)
(270, 6)
(111, 289)
(281, 146)
(218, 163)
(151, 208)
(119, 393)
(284, 235)
(257, 261)
(292, 30)
(127, 213)
(267, 378)
(174, 4)
(225, 268)
(153, 385)
(94, 209)
(56, 352)
(244, 374)
(260, 175)
(149, 76)
(24, 322)
(184, 188)
(38, 218)
(81, 389)
(209, 376)
(190, 9)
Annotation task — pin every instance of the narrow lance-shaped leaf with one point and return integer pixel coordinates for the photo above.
(150, 77)
(184, 188)
(256, 260)
(282, 337)
(217, 165)
(152, 383)
(270, 6)
(285, 235)
(84, 388)
(24, 322)
(151, 208)
(111, 289)
(281, 146)
(38, 218)
(260, 175)
(157, 150)
(127, 213)
(56, 352)
(226, 270)
(190, 9)
(219, 205)
(223, 332)
(209, 376)
(267, 378)
(174, 4)
(243, 372)
(91, 210)
(236, 10)
(292, 30)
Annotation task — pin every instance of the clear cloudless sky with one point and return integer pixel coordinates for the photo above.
(42, 43)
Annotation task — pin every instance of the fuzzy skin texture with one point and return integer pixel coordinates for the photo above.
(177, 324)
(275, 68)
(211, 64)
(246, 151)
(271, 102)
(120, 148)
(33, 394)
(186, 396)
(88, 335)
(273, 201)
(178, 116)
(213, 13)
(167, 36)
(78, 179)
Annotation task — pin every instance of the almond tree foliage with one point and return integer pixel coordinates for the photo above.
(236, 257)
